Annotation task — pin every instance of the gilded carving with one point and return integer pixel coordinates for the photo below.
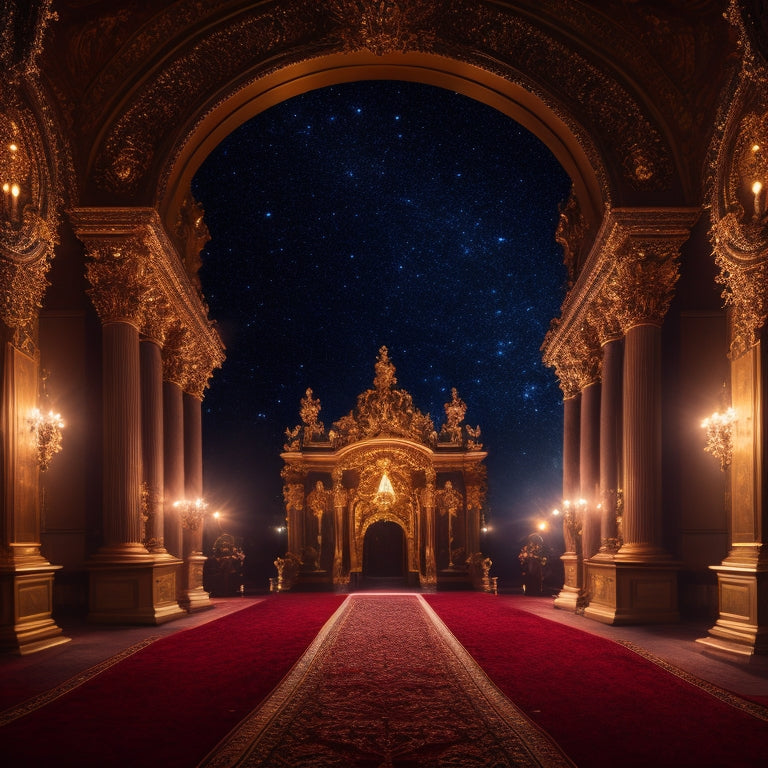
(384, 26)
(23, 286)
(137, 276)
(310, 410)
(119, 279)
(193, 234)
(571, 233)
(382, 459)
(24, 25)
(455, 410)
(293, 496)
(384, 411)
(739, 234)
(642, 282)
(177, 339)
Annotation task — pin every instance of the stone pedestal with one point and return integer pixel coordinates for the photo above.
(624, 592)
(140, 592)
(193, 595)
(568, 597)
(742, 625)
(26, 603)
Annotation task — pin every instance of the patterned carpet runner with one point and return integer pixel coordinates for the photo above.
(386, 684)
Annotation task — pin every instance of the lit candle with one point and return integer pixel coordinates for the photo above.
(14, 200)
(757, 190)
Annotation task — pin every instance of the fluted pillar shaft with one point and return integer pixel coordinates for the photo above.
(193, 463)
(589, 467)
(642, 443)
(173, 464)
(571, 447)
(610, 441)
(152, 443)
(122, 438)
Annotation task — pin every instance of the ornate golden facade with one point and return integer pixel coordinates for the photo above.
(657, 112)
(383, 463)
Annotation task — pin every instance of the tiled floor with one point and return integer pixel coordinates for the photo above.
(21, 677)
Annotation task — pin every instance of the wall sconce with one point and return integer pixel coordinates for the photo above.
(14, 171)
(47, 428)
(719, 431)
(191, 513)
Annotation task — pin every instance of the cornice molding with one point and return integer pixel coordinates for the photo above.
(138, 276)
(628, 279)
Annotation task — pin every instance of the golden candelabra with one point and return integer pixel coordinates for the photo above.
(191, 513)
(47, 428)
(719, 431)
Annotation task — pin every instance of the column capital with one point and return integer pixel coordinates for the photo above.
(119, 278)
(627, 279)
(138, 276)
(642, 283)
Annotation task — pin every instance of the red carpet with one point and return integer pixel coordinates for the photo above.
(170, 703)
(387, 685)
(605, 705)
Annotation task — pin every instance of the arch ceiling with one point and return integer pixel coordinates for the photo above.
(150, 87)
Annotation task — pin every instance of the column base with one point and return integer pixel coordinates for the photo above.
(569, 596)
(568, 599)
(742, 625)
(623, 592)
(26, 605)
(193, 597)
(142, 591)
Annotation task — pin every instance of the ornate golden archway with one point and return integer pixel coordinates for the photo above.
(383, 462)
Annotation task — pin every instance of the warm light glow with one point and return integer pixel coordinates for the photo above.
(47, 427)
(385, 486)
(15, 190)
(755, 147)
(13, 147)
(217, 514)
(555, 512)
(719, 428)
(543, 526)
(757, 187)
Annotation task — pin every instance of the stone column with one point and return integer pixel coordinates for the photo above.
(122, 583)
(173, 464)
(167, 567)
(152, 444)
(610, 444)
(26, 577)
(640, 584)
(429, 578)
(340, 578)
(194, 596)
(568, 596)
(739, 236)
(589, 440)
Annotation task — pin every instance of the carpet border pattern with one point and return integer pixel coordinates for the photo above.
(731, 699)
(42, 699)
(238, 748)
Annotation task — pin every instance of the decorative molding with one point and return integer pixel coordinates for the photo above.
(628, 279)
(137, 276)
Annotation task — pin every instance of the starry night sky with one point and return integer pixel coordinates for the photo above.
(381, 213)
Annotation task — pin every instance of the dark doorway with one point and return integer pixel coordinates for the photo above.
(384, 554)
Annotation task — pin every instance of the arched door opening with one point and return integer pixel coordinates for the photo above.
(384, 555)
